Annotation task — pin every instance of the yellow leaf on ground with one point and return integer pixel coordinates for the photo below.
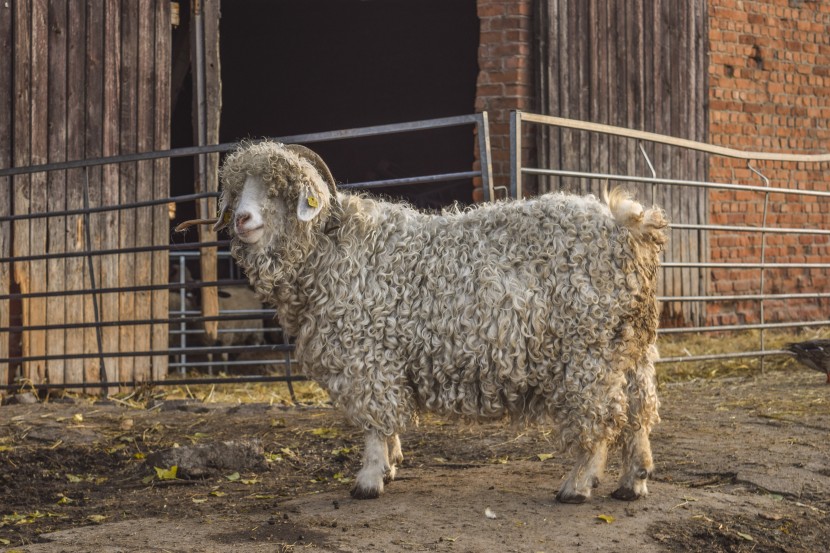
(167, 474)
(544, 456)
(326, 433)
(607, 518)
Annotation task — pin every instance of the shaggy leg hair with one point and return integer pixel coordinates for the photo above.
(585, 476)
(637, 463)
(376, 467)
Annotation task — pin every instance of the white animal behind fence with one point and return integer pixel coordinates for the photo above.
(539, 310)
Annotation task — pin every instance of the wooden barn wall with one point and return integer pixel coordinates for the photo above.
(640, 64)
(85, 79)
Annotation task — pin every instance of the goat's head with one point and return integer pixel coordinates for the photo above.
(268, 188)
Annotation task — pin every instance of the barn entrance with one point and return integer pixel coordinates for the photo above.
(291, 67)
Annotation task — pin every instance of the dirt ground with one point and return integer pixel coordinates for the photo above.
(743, 464)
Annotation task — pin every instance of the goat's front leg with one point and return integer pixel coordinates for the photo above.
(376, 467)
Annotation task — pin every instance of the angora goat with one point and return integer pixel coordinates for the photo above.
(539, 310)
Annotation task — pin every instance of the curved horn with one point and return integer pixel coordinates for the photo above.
(321, 167)
(317, 162)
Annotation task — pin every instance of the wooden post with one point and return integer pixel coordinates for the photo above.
(75, 102)
(6, 25)
(144, 132)
(204, 56)
(161, 181)
(110, 182)
(56, 186)
(38, 191)
(94, 144)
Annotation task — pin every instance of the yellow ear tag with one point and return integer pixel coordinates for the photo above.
(312, 202)
(226, 218)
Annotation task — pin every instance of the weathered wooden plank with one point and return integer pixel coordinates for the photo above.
(569, 86)
(207, 207)
(161, 180)
(110, 188)
(144, 184)
(38, 193)
(541, 72)
(94, 147)
(56, 185)
(6, 129)
(128, 117)
(75, 102)
(22, 154)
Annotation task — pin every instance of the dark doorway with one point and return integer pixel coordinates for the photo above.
(299, 66)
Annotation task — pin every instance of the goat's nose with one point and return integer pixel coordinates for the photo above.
(242, 218)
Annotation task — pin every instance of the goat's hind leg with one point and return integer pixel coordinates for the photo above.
(395, 457)
(637, 462)
(376, 467)
(585, 475)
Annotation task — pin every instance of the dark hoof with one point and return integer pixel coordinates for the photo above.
(574, 499)
(361, 493)
(625, 494)
(595, 483)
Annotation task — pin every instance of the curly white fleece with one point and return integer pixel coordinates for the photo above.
(540, 310)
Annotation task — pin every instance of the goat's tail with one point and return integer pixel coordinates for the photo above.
(645, 225)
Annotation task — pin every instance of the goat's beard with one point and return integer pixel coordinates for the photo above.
(270, 269)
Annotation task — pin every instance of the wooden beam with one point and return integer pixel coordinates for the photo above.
(22, 155)
(110, 188)
(100, 235)
(76, 133)
(38, 192)
(56, 185)
(161, 182)
(6, 130)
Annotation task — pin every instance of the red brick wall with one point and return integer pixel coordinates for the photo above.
(505, 79)
(769, 77)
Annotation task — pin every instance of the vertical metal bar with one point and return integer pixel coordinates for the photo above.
(653, 174)
(515, 154)
(288, 368)
(183, 324)
(102, 370)
(483, 124)
(763, 255)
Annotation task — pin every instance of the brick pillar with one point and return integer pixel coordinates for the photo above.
(505, 78)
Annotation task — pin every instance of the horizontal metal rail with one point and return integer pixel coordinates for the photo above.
(115, 251)
(154, 383)
(746, 326)
(724, 356)
(123, 289)
(747, 297)
(107, 208)
(677, 182)
(149, 353)
(669, 140)
(173, 319)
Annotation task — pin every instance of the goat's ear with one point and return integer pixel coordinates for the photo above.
(308, 205)
(224, 219)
